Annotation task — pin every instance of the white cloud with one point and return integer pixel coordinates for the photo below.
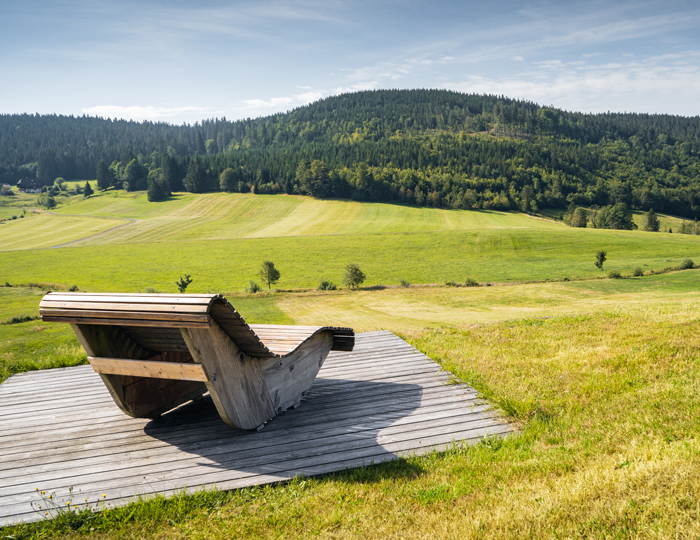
(262, 107)
(358, 87)
(651, 85)
(136, 112)
(518, 59)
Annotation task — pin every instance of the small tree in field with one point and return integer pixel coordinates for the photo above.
(651, 222)
(353, 276)
(87, 190)
(601, 257)
(183, 283)
(269, 274)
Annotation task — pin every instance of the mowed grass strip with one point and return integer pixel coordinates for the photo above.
(506, 255)
(38, 231)
(609, 417)
(215, 216)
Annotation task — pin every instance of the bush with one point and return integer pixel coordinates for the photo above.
(73, 288)
(687, 264)
(404, 283)
(471, 282)
(183, 283)
(452, 284)
(614, 274)
(638, 272)
(252, 287)
(326, 285)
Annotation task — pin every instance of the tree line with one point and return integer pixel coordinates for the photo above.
(426, 147)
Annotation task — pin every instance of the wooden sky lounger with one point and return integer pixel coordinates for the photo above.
(157, 351)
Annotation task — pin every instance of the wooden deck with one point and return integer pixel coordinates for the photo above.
(60, 428)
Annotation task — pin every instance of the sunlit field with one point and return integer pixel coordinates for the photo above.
(599, 375)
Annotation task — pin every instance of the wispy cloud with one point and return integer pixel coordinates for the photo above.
(134, 112)
(653, 85)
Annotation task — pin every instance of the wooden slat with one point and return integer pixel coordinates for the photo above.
(129, 299)
(112, 306)
(380, 402)
(117, 322)
(145, 368)
(84, 313)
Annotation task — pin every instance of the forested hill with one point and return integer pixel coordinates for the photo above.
(431, 147)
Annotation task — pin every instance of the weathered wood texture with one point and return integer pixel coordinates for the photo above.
(60, 428)
(150, 319)
(132, 337)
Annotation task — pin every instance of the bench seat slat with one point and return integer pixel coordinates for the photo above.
(110, 306)
(138, 315)
(131, 299)
(117, 322)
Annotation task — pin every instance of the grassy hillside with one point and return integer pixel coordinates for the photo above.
(219, 216)
(221, 239)
(502, 255)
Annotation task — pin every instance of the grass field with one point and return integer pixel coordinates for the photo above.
(504, 255)
(607, 404)
(601, 375)
(34, 344)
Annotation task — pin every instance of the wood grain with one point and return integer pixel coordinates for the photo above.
(146, 368)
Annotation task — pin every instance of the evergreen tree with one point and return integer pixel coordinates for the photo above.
(195, 181)
(87, 190)
(136, 176)
(171, 173)
(105, 180)
(651, 222)
(156, 191)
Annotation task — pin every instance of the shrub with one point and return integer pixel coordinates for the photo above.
(638, 272)
(686, 264)
(183, 283)
(404, 283)
(252, 287)
(614, 274)
(73, 288)
(452, 284)
(326, 285)
(471, 283)
(20, 319)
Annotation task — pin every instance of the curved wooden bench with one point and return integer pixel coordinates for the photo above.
(157, 351)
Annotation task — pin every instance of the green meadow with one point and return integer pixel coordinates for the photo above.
(221, 239)
(601, 376)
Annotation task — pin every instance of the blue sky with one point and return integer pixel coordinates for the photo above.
(180, 62)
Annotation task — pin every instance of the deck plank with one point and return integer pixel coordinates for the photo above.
(59, 428)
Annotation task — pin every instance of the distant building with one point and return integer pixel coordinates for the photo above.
(31, 185)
